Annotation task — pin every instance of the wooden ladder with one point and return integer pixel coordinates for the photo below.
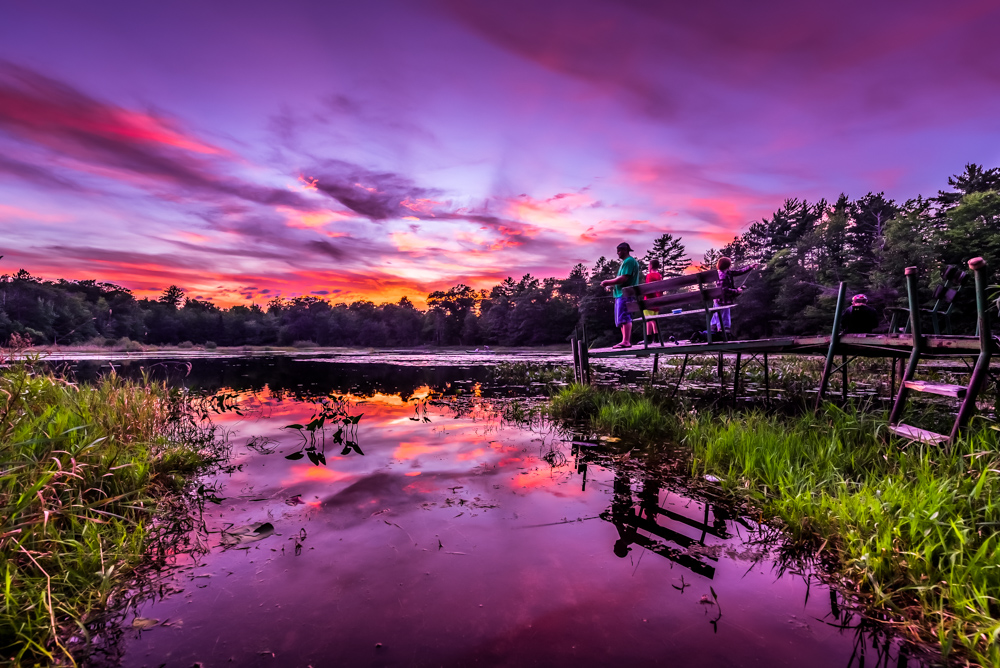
(966, 393)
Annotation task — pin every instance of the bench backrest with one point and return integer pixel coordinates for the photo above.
(944, 292)
(698, 288)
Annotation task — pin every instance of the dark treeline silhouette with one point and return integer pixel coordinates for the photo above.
(807, 248)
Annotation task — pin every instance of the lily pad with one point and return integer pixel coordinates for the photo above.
(144, 623)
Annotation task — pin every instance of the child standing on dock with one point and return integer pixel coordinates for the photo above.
(653, 275)
(722, 320)
(628, 276)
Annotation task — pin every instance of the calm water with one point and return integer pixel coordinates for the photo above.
(460, 539)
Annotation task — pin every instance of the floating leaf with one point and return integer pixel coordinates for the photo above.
(293, 426)
(295, 455)
(247, 534)
(144, 623)
(312, 457)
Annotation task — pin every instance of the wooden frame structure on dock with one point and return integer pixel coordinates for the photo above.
(912, 346)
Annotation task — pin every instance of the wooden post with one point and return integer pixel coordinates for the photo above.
(824, 379)
(656, 367)
(892, 377)
(722, 382)
(708, 314)
(767, 383)
(736, 379)
(680, 377)
(982, 368)
(843, 376)
(576, 358)
(918, 343)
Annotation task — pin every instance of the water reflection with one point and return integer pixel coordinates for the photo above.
(460, 538)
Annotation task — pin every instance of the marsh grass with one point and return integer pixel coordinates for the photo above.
(86, 475)
(526, 373)
(912, 529)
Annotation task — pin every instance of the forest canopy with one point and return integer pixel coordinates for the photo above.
(806, 248)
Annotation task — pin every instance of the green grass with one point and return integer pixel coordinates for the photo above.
(914, 529)
(623, 414)
(87, 474)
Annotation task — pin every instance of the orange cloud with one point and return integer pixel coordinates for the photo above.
(309, 473)
(411, 450)
(311, 219)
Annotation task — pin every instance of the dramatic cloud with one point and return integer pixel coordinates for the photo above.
(374, 195)
(96, 137)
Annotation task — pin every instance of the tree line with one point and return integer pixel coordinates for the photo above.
(807, 249)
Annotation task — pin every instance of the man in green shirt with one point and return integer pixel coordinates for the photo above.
(628, 275)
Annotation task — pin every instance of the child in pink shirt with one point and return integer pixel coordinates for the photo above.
(653, 275)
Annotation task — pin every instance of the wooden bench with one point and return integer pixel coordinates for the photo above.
(942, 301)
(675, 294)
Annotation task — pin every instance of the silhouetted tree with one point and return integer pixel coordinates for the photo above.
(671, 254)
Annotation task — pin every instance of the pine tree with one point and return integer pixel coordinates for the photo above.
(975, 179)
(172, 296)
(671, 254)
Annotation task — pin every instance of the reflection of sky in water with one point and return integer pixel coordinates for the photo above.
(455, 542)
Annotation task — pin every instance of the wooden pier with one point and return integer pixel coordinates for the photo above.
(913, 346)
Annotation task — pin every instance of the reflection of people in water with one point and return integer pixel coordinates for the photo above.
(663, 540)
(649, 498)
(623, 514)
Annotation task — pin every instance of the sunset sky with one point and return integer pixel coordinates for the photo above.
(378, 149)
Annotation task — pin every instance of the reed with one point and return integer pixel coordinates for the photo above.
(913, 529)
(86, 473)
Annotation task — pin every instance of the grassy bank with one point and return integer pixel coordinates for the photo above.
(914, 529)
(87, 477)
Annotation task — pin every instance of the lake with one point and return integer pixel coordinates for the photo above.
(445, 528)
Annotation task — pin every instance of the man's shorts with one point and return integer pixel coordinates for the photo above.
(622, 315)
(646, 311)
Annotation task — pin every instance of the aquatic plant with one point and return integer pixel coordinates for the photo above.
(87, 479)
(912, 528)
(525, 373)
(331, 411)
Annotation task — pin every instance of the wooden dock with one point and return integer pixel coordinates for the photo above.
(912, 346)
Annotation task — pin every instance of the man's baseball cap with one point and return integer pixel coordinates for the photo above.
(860, 298)
(625, 245)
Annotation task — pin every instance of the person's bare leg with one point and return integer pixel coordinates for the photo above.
(627, 334)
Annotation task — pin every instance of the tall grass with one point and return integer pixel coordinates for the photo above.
(83, 472)
(915, 529)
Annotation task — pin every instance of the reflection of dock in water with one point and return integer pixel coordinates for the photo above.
(649, 525)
